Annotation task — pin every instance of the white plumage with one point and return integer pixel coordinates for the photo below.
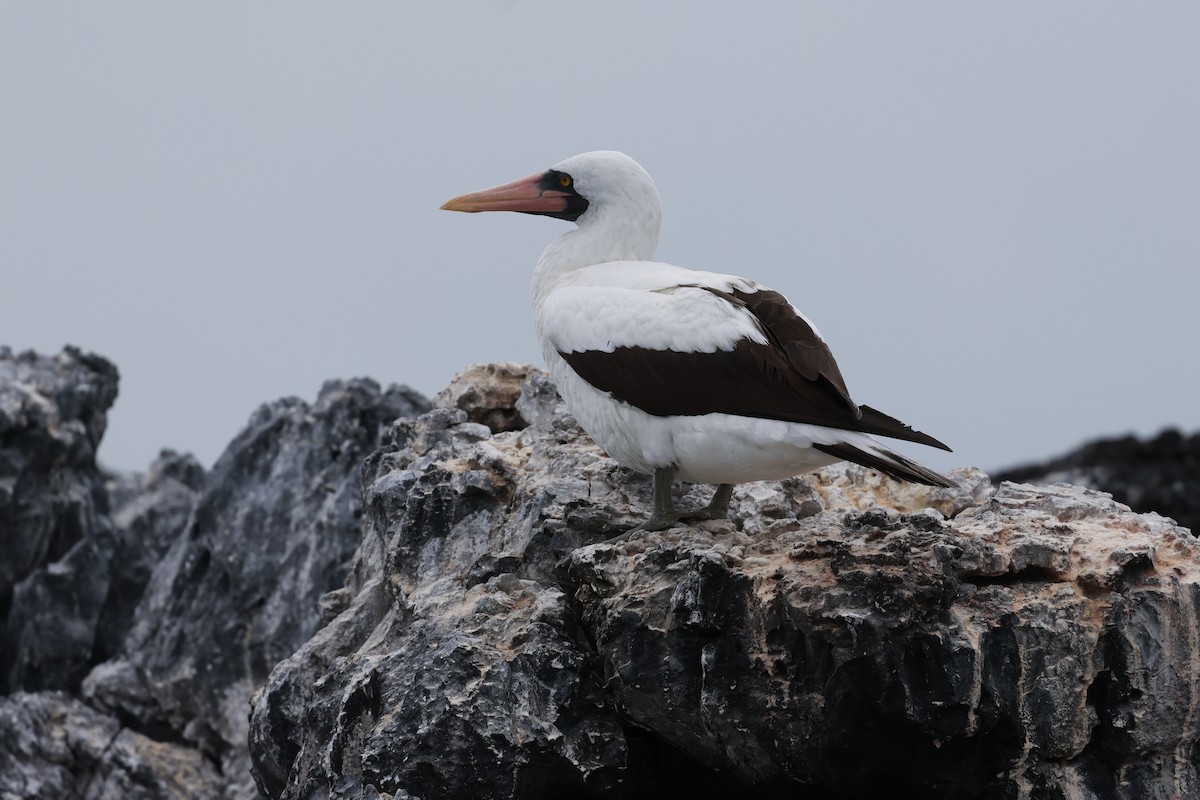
(641, 304)
(677, 372)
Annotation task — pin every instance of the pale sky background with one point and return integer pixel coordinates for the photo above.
(991, 210)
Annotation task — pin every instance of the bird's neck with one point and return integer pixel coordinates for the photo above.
(600, 239)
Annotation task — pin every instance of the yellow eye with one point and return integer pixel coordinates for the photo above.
(565, 180)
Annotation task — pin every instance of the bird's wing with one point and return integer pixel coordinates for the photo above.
(705, 344)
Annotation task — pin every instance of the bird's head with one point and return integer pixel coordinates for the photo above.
(582, 189)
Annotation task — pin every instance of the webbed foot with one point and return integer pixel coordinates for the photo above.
(660, 522)
(664, 515)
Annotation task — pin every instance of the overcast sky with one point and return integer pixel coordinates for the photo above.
(991, 210)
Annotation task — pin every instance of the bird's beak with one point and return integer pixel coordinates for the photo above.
(527, 194)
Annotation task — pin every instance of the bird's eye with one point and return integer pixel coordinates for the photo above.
(565, 180)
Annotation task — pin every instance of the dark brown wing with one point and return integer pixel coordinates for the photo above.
(793, 377)
(804, 350)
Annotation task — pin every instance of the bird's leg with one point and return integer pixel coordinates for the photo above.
(664, 515)
(717, 509)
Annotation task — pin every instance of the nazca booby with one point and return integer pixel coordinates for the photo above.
(705, 377)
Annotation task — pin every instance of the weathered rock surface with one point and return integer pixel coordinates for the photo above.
(72, 614)
(1041, 641)
(52, 746)
(1161, 474)
(178, 590)
(470, 615)
(489, 394)
(53, 411)
(272, 531)
(502, 634)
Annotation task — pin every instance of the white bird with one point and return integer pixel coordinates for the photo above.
(706, 377)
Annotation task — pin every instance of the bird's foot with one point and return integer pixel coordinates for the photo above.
(660, 522)
(665, 515)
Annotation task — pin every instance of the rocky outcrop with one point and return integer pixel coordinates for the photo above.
(73, 613)
(272, 531)
(1161, 474)
(53, 412)
(503, 633)
(53, 746)
(177, 590)
(1042, 641)
(472, 613)
(489, 394)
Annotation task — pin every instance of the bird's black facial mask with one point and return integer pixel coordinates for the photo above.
(564, 184)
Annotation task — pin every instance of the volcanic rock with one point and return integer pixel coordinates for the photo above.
(53, 411)
(272, 531)
(53, 746)
(472, 612)
(1161, 474)
(72, 614)
(488, 393)
(506, 632)
(176, 589)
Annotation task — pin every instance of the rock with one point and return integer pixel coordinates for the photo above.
(995, 654)
(503, 634)
(469, 614)
(1160, 474)
(72, 614)
(149, 512)
(53, 411)
(273, 529)
(53, 746)
(239, 559)
(488, 393)
(461, 678)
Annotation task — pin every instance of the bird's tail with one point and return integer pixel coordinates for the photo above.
(889, 462)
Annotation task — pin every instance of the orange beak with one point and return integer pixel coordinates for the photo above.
(528, 195)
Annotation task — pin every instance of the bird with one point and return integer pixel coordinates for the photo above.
(677, 373)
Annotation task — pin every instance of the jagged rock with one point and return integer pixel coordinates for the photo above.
(150, 511)
(457, 672)
(1160, 474)
(502, 634)
(249, 550)
(53, 411)
(1043, 640)
(488, 393)
(72, 614)
(272, 531)
(53, 746)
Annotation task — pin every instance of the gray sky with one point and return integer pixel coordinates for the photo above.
(991, 210)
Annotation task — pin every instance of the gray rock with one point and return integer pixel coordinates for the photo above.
(502, 634)
(1160, 474)
(52, 746)
(488, 393)
(994, 654)
(493, 628)
(150, 511)
(72, 614)
(53, 411)
(239, 560)
(441, 628)
(273, 530)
